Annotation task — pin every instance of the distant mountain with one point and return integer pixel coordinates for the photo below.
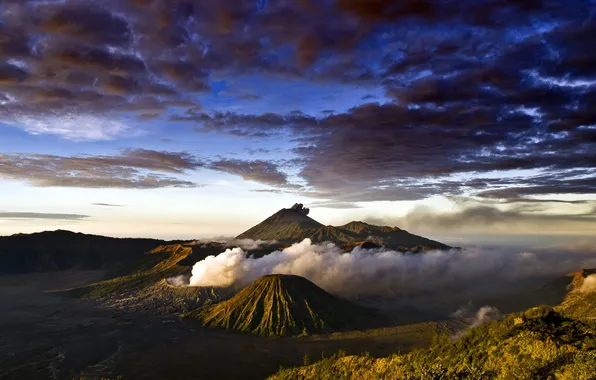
(58, 250)
(290, 225)
(278, 305)
(283, 225)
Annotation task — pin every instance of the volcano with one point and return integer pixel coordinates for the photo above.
(291, 225)
(282, 305)
(285, 225)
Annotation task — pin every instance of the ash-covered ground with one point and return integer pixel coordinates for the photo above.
(45, 334)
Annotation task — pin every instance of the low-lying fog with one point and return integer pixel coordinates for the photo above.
(434, 280)
(382, 272)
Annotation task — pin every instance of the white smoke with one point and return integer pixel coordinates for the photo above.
(246, 244)
(180, 280)
(485, 314)
(589, 284)
(385, 272)
(249, 244)
(474, 319)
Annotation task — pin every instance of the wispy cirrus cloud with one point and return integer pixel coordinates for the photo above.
(133, 169)
(265, 172)
(107, 205)
(41, 216)
(334, 205)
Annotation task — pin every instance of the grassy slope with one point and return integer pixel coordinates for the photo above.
(537, 344)
(147, 289)
(580, 305)
(279, 305)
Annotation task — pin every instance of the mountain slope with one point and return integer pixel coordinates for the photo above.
(58, 250)
(293, 225)
(278, 305)
(389, 236)
(147, 289)
(282, 225)
(580, 301)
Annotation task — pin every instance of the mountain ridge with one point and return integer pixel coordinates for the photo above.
(291, 225)
(62, 249)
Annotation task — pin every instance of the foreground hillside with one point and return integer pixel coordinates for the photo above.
(537, 344)
(580, 302)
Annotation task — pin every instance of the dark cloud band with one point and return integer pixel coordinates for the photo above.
(470, 87)
(41, 215)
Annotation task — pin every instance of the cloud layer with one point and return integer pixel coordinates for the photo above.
(131, 168)
(468, 88)
(41, 215)
(519, 215)
(389, 273)
(140, 169)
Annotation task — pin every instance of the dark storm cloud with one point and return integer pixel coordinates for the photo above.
(86, 59)
(264, 172)
(138, 169)
(473, 215)
(10, 74)
(471, 86)
(41, 215)
(569, 186)
(486, 103)
(464, 201)
(486, 215)
(489, 13)
(255, 126)
(88, 22)
(14, 42)
(389, 9)
(388, 152)
(132, 168)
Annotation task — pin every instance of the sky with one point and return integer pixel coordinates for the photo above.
(470, 119)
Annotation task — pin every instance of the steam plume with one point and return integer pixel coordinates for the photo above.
(485, 314)
(474, 319)
(249, 244)
(385, 272)
(589, 284)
